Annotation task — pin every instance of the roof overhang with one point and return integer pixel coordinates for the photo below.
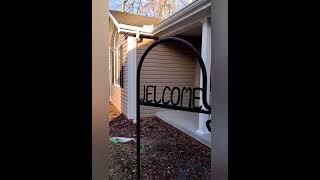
(184, 19)
(130, 29)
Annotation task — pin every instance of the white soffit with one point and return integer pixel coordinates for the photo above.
(186, 17)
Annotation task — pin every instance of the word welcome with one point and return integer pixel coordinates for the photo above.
(149, 99)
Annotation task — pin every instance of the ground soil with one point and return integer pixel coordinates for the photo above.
(168, 153)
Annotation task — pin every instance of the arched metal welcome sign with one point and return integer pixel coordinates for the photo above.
(173, 105)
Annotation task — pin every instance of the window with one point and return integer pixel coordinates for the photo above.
(116, 62)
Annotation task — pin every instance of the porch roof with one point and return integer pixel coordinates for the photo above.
(133, 19)
(186, 18)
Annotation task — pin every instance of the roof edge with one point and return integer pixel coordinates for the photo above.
(130, 28)
(182, 14)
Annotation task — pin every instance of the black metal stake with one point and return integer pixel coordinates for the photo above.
(197, 109)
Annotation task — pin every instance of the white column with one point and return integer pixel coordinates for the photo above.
(206, 56)
(132, 73)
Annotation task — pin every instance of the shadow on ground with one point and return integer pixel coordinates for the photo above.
(168, 153)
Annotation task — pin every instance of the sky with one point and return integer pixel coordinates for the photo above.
(113, 5)
(116, 4)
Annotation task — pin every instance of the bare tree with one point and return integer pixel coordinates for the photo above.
(161, 9)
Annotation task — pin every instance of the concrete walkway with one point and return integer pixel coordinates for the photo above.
(186, 122)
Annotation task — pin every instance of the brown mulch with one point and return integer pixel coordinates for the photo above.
(168, 152)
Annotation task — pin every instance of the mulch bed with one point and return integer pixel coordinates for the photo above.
(168, 152)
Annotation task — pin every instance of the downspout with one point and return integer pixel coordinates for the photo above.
(138, 35)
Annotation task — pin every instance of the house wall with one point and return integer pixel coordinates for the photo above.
(166, 65)
(196, 42)
(119, 95)
(197, 80)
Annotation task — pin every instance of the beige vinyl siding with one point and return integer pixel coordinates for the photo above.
(118, 94)
(197, 80)
(166, 65)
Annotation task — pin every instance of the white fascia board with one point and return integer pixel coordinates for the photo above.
(184, 14)
(129, 27)
(134, 29)
(114, 21)
(134, 32)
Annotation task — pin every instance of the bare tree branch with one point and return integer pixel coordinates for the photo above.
(156, 8)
